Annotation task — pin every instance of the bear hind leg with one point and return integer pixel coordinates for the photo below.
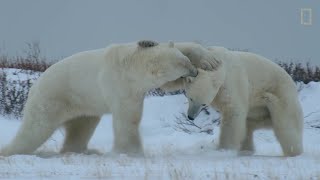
(287, 125)
(34, 131)
(290, 140)
(78, 133)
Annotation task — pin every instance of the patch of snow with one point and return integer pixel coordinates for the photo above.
(169, 154)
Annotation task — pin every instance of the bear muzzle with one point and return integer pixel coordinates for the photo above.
(193, 111)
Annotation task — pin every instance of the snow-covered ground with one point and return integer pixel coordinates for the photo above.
(170, 153)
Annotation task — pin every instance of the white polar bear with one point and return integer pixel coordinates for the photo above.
(251, 92)
(78, 90)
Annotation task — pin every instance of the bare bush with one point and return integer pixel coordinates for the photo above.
(301, 73)
(183, 123)
(14, 93)
(31, 61)
(160, 92)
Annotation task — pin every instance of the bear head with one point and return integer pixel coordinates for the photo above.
(163, 63)
(202, 90)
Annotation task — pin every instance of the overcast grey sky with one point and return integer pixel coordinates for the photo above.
(271, 28)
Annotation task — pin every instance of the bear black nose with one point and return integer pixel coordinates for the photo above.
(190, 118)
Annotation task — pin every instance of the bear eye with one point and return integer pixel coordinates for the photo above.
(191, 99)
(203, 104)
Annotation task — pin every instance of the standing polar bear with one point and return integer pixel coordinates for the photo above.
(78, 90)
(251, 92)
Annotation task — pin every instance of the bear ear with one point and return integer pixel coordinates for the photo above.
(147, 43)
(171, 44)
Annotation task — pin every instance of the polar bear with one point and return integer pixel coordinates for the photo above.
(78, 90)
(251, 92)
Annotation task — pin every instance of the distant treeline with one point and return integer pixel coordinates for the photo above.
(300, 72)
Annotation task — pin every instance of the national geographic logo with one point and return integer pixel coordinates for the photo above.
(306, 16)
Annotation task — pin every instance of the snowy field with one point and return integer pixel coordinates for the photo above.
(169, 152)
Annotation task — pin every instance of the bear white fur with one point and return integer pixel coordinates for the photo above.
(200, 57)
(251, 92)
(78, 90)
